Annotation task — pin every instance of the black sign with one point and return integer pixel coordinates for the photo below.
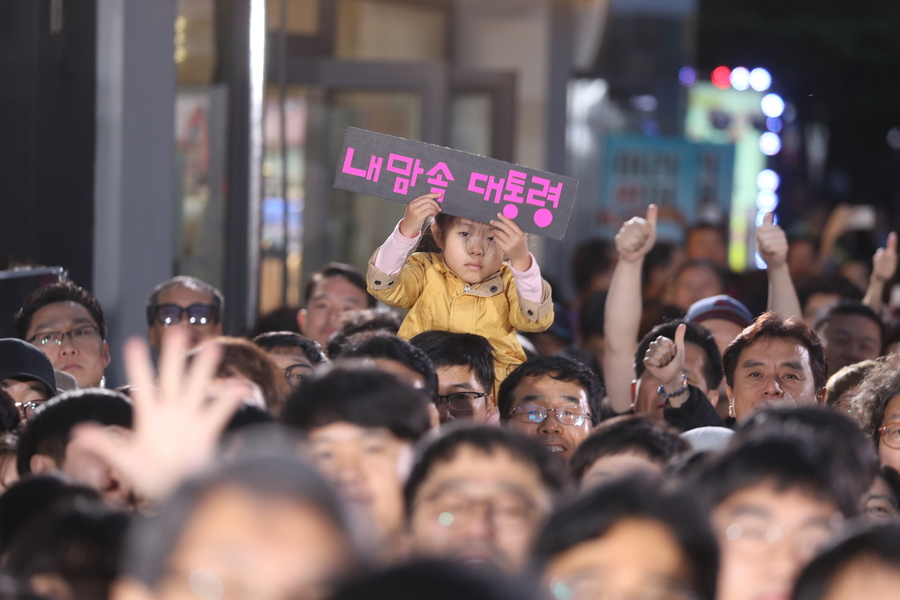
(474, 187)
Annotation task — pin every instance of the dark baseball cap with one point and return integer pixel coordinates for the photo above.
(719, 307)
(20, 360)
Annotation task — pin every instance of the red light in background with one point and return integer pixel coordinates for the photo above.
(721, 77)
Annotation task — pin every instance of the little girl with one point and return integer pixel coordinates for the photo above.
(479, 278)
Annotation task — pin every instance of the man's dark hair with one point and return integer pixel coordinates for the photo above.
(591, 258)
(694, 334)
(81, 545)
(288, 340)
(33, 498)
(48, 431)
(784, 462)
(770, 325)
(851, 456)
(62, 291)
(361, 395)
(370, 320)
(192, 283)
(336, 269)
(642, 435)
(554, 367)
(832, 283)
(596, 512)
(878, 546)
(385, 345)
(846, 306)
(486, 440)
(873, 395)
(591, 316)
(151, 541)
(435, 580)
(447, 349)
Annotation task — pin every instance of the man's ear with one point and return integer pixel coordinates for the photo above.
(41, 463)
(434, 416)
(820, 396)
(301, 320)
(106, 358)
(491, 407)
(633, 391)
(730, 394)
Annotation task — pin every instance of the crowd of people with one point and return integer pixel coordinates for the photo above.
(673, 433)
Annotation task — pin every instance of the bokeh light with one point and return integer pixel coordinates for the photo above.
(769, 143)
(760, 79)
(740, 79)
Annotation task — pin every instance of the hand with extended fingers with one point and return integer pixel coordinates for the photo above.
(637, 236)
(512, 241)
(884, 262)
(176, 425)
(771, 242)
(417, 211)
(664, 359)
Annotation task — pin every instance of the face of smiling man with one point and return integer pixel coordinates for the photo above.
(555, 412)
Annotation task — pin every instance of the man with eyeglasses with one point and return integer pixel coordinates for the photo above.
(185, 302)
(464, 363)
(554, 399)
(66, 322)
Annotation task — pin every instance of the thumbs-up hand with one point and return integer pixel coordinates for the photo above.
(637, 236)
(884, 262)
(771, 242)
(664, 359)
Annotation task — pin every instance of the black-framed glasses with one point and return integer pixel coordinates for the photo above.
(537, 414)
(296, 373)
(27, 409)
(78, 336)
(197, 314)
(890, 435)
(462, 402)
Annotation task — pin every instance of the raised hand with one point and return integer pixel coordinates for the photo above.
(884, 262)
(637, 236)
(417, 211)
(512, 241)
(664, 358)
(771, 242)
(177, 425)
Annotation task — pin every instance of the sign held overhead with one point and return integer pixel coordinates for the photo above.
(474, 187)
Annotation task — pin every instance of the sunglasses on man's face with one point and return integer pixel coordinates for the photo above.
(197, 314)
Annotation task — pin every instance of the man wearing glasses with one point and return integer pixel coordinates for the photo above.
(66, 322)
(464, 363)
(553, 399)
(185, 302)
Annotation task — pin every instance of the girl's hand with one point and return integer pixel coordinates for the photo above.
(512, 241)
(417, 211)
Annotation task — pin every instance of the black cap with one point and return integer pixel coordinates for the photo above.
(21, 360)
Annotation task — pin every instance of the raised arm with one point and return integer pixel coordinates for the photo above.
(884, 265)
(622, 320)
(772, 244)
